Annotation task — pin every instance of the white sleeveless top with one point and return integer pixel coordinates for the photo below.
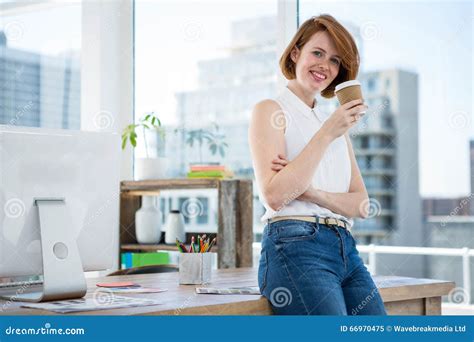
(333, 173)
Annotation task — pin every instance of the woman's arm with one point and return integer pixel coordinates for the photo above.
(348, 204)
(266, 139)
(354, 203)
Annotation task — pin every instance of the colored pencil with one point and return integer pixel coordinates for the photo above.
(212, 244)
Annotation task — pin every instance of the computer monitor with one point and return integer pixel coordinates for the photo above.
(59, 208)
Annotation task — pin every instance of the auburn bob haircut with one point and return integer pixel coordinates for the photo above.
(343, 41)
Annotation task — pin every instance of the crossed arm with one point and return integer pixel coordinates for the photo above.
(353, 203)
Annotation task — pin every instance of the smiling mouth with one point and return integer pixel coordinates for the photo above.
(318, 76)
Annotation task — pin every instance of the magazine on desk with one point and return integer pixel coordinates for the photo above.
(245, 290)
(92, 304)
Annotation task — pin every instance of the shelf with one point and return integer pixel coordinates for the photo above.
(139, 188)
(130, 247)
(234, 217)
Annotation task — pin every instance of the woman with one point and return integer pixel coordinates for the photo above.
(310, 183)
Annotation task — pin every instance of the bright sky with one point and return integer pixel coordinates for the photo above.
(433, 39)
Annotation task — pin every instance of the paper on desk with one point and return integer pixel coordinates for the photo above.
(92, 304)
(247, 290)
(132, 290)
(118, 284)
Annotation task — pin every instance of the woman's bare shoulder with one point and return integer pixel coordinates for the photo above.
(266, 107)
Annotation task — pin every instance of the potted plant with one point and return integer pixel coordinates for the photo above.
(148, 167)
(214, 139)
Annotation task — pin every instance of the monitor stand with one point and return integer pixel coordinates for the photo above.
(63, 276)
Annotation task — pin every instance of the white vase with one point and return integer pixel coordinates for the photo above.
(151, 168)
(148, 221)
(175, 227)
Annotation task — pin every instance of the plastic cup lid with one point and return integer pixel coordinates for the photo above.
(347, 84)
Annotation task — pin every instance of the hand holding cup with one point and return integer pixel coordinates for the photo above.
(343, 118)
(352, 108)
(349, 91)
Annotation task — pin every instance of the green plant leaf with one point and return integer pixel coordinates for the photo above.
(124, 141)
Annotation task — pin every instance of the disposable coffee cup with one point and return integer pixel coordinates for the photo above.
(349, 91)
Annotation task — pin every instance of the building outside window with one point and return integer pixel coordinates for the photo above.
(40, 65)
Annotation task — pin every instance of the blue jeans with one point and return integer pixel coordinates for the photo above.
(315, 269)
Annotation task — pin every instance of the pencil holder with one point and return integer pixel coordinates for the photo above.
(195, 268)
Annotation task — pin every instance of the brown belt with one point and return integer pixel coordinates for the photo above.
(322, 220)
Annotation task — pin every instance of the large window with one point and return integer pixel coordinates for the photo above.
(413, 144)
(416, 74)
(203, 65)
(40, 82)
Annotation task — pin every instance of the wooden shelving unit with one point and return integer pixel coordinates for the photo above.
(134, 247)
(235, 216)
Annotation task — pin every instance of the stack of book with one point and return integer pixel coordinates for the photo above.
(129, 259)
(209, 171)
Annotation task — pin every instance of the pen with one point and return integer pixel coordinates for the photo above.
(212, 244)
(196, 246)
(181, 246)
(199, 244)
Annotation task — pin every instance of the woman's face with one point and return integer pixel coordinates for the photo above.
(317, 63)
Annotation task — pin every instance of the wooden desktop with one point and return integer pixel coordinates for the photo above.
(401, 296)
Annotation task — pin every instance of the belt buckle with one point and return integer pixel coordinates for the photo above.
(326, 220)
